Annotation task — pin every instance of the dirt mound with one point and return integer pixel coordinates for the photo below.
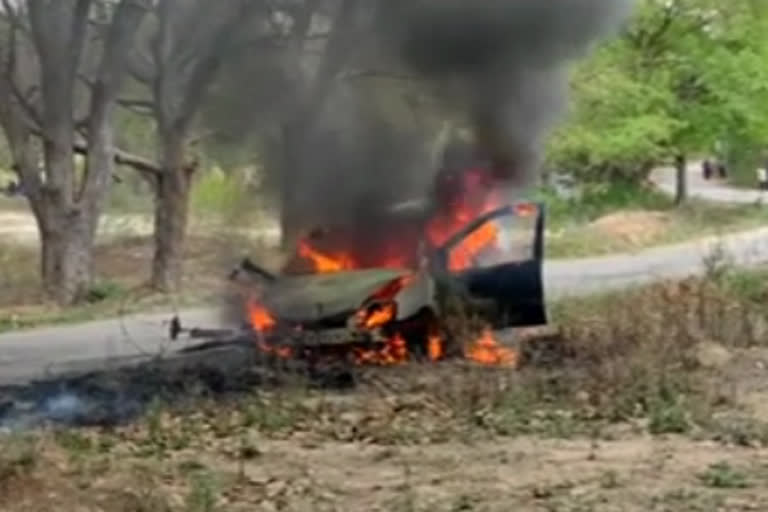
(634, 226)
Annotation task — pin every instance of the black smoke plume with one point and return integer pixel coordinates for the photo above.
(503, 62)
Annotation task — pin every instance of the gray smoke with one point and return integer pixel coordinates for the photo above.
(354, 162)
(503, 62)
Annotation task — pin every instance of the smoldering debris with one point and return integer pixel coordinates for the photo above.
(117, 396)
(503, 61)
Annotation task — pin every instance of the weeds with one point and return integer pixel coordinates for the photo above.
(669, 417)
(269, 415)
(739, 430)
(722, 475)
(143, 497)
(19, 457)
(203, 495)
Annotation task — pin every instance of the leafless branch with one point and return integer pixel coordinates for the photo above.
(140, 106)
(374, 73)
(140, 67)
(78, 33)
(12, 90)
(205, 68)
(161, 47)
(121, 157)
(197, 139)
(109, 79)
(25, 102)
(11, 13)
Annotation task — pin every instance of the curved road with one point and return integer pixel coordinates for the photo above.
(714, 190)
(32, 354)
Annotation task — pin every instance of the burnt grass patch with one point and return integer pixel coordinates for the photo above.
(116, 396)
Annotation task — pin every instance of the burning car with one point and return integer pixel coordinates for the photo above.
(385, 288)
(328, 300)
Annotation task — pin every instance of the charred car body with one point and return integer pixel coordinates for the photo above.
(395, 281)
(498, 281)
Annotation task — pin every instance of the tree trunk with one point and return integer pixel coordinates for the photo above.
(172, 196)
(66, 240)
(681, 173)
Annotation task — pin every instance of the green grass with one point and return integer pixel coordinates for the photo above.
(596, 200)
(722, 475)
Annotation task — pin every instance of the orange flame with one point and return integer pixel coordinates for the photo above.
(441, 228)
(487, 351)
(325, 263)
(395, 351)
(462, 255)
(379, 316)
(435, 348)
(260, 318)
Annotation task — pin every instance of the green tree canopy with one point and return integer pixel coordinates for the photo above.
(684, 75)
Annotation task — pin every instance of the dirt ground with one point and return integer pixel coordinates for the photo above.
(636, 474)
(525, 474)
(397, 444)
(518, 474)
(635, 227)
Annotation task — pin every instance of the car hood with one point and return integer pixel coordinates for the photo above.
(314, 297)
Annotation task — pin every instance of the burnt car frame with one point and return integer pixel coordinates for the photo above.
(332, 308)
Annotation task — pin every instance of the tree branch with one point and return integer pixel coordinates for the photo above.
(11, 13)
(140, 67)
(139, 106)
(161, 48)
(121, 157)
(125, 22)
(78, 33)
(207, 67)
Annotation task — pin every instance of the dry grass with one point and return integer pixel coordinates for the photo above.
(122, 268)
(650, 228)
(628, 416)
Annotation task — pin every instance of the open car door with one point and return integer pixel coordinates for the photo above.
(498, 258)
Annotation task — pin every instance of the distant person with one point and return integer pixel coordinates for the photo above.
(762, 178)
(722, 170)
(706, 169)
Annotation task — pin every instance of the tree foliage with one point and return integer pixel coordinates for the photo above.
(683, 76)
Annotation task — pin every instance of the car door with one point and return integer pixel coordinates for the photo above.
(499, 258)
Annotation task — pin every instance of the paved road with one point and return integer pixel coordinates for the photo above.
(33, 353)
(698, 187)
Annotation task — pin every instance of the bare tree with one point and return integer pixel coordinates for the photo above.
(186, 45)
(322, 52)
(190, 40)
(51, 49)
(320, 45)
